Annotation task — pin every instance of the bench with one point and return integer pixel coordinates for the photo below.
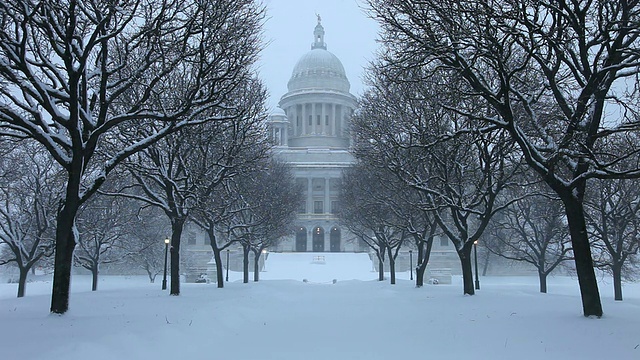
(318, 259)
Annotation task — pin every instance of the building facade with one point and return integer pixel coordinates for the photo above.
(311, 131)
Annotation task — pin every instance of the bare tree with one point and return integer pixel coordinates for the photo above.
(103, 222)
(468, 176)
(423, 228)
(173, 173)
(548, 70)
(215, 207)
(272, 196)
(80, 75)
(29, 187)
(533, 230)
(144, 245)
(457, 171)
(613, 210)
(374, 216)
(268, 197)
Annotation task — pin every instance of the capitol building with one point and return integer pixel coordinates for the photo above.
(311, 132)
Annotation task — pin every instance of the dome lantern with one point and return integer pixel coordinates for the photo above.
(318, 36)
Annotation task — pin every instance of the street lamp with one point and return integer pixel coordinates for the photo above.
(265, 255)
(475, 253)
(411, 264)
(227, 279)
(166, 252)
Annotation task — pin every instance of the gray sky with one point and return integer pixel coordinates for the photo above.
(349, 35)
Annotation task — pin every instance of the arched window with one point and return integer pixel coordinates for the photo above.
(318, 239)
(334, 239)
(301, 239)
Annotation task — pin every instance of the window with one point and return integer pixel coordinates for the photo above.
(302, 207)
(277, 137)
(444, 241)
(310, 120)
(298, 122)
(326, 120)
(318, 184)
(318, 120)
(317, 207)
(334, 207)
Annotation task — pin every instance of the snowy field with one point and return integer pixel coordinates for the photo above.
(282, 317)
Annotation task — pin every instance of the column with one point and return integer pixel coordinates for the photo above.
(339, 120)
(323, 120)
(332, 119)
(292, 115)
(305, 126)
(309, 195)
(327, 197)
(313, 118)
(286, 135)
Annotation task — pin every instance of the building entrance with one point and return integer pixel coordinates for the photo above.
(318, 239)
(301, 239)
(334, 240)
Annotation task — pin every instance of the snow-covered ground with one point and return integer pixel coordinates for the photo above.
(282, 317)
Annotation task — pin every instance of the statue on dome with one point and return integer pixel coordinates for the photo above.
(319, 18)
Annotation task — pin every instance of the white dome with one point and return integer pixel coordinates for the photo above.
(319, 69)
(278, 112)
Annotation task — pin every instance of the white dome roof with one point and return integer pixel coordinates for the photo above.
(319, 69)
(278, 111)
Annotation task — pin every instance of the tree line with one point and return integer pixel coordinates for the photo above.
(155, 102)
(476, 107)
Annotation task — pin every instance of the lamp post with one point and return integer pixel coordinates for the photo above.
(411, 264)
(166, 252)
(475, 253)
(265, 255)
(227, 278)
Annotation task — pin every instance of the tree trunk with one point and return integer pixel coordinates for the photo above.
(420, 270)
(177, 224)
(423, 261)
(65, 244)
(217, 254)
(591, 304)
(94, 277)
(380, 268)
(616, 269)
(392, 267)
(245, 264)
(419, 262)
(542, 276)
(467, 275)
(256, 266)
(22, 281)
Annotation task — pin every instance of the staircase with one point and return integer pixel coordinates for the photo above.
(318, 267)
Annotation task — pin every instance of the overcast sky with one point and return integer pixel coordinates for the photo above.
(349, 35)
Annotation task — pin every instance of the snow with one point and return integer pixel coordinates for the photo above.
(282, 317)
